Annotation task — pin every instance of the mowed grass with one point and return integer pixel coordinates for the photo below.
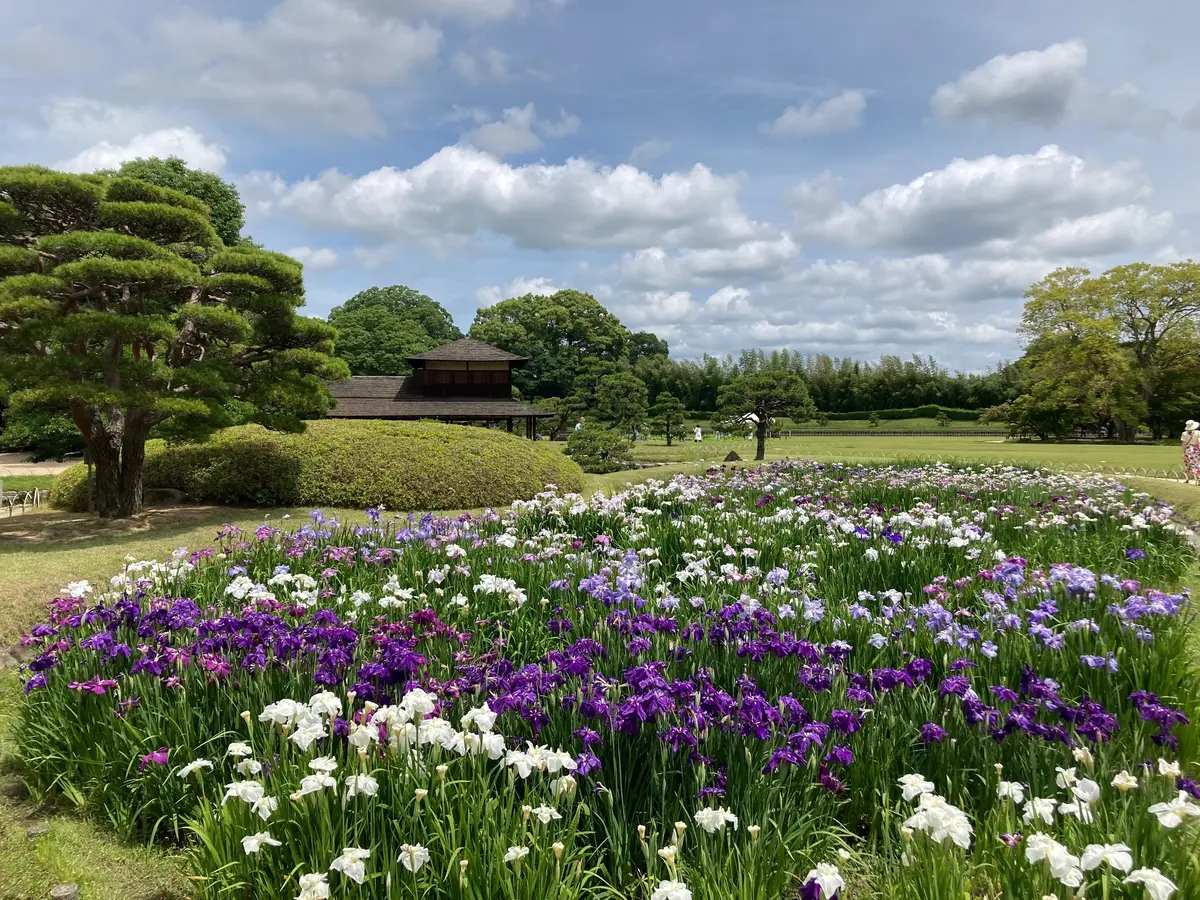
(26, 482)
(884, 448)
(41, 552)
(836, 425)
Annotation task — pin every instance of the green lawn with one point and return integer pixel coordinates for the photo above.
(786, 424)
(872, 447)
(26, 482)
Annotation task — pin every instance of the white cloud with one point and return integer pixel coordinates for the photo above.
(659, 307)
(186, 143)
(647, 151)
(1045, 87)
(518, 287)
(973, 201)
(841, 113)
(1032, 86)
(519, 131)
(511, 135)
(655, 267)
(303, 62)
(729, 299)
(315, 260)
(460, 192)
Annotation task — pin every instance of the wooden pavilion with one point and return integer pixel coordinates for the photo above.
(465, 382)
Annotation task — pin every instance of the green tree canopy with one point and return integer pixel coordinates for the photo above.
(1119, 348)
(559, 334)
(668, 411)
(222, 199)
(766, 395)
(379, 328)
(119, 302)
(621, 398)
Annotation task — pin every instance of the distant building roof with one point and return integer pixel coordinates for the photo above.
(468, 350)
(391, 397)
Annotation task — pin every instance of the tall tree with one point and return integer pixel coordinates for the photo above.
(119, 301)
(377, 342)
(621, 397)
(406, 305)
(668, 411)
(222, 199)
(559, 334)
(766, 395)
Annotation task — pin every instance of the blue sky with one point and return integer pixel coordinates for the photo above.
(852, 178)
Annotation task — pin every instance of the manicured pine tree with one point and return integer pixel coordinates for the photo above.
(668, 411)
(119, 302)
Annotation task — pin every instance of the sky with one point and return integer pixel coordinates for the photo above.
(854, 178)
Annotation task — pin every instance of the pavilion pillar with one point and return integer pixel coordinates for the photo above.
(510, 424)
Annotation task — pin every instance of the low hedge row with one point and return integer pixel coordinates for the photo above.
(928, 411)
(349, 464)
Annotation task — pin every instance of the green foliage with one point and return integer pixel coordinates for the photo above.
(220, 198)
(669, 414)
(43, 433)
(1118, 349)
(914, 412)
(942, 419)
(873, 420)
(342, 463)
(599, 450)
(137, 318)
(379, 328)
(622, 399)
(560, 334)
(765, 395)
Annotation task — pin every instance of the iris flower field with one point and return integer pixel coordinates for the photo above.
(805, 679)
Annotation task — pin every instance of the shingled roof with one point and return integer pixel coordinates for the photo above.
(391, 397)
(468, 350)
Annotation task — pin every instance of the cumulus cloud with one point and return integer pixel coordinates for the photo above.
(303, 61)
(658, 308)
(841, 113)
(518, 287)
(1044, 87)
(1031, 86)
(186, 143)
(973, 201)
(729, 299)
(315, 260)
(519, 131)
(460, 192)
(655, 267)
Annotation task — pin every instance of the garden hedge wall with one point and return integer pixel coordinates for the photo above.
(929, 411)
(349, 464)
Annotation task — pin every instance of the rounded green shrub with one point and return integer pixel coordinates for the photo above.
(350, 464)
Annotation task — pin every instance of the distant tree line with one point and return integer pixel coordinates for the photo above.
(583, 359)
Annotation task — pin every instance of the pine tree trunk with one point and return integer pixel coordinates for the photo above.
(668, 434)
(133, 461)
(118, 451)
(761, 432)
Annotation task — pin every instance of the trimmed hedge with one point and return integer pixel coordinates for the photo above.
(929, 411)
(349, 464)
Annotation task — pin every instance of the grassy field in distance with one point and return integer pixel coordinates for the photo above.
(872, 447)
